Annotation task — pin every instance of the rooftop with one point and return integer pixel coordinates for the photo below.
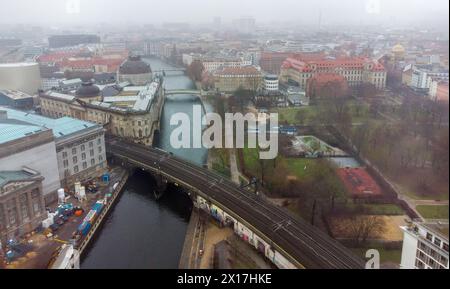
(61, 126)
(20, 64)
(10, 131)
(12, 176)
(14, 94)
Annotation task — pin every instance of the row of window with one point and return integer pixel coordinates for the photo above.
(84, 165)
(10, 210)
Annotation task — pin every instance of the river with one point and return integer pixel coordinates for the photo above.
(141, 232)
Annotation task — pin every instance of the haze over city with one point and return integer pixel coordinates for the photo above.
(366, 12)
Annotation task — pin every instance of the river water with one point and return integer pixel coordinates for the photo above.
(141, 232)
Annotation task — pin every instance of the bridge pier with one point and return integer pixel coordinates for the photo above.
(161, 186)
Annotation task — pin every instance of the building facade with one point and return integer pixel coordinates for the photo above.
(297, 71)
(79, 145)
(271, 83)
(22, 206)
(25, 77)
(231, 79)
(425, 246)
(133, 113)
(26, 145)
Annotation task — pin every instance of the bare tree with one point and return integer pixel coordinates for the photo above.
(363, 227)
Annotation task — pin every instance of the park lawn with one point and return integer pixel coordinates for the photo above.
(299, 166)
(433, 212)
(289, 114)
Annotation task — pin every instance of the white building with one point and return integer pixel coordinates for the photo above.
(79, 145)
(49, 83)
(421, 78)
(26, 145)
(24, 77)
(425, 246)
(271, 82)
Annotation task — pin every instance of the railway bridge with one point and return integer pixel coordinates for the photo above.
(286, 240)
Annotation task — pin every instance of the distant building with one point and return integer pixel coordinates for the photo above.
(439, 90)
(324, 85)
(127, 111)
(24, 77)
(271, 83)
(398, 52)
(135, 71)
(425, 246)
(80, 145)
(16, 99)
(57, 41)
(22, 206)
(271, 62)
(355, 70)
(230, 79)
(422, 76)
(215, 63)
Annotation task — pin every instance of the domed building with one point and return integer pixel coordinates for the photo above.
(135, 71)
(398, 52)
(88, 92)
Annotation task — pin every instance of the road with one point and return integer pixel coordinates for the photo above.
(306, 244)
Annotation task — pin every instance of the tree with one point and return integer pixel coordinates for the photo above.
(195, 70)
(367, 90)
(363, 227)
(241, 97)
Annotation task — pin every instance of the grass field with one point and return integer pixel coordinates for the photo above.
(299, 167)
(433, 212)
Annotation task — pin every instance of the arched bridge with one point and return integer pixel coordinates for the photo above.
(302, 245)
(189, 91)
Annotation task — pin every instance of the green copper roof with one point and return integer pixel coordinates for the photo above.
(61, 126)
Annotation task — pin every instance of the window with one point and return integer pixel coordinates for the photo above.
(99, 141)
(445, 247)
(437, 241)
(74, 151)
(75, 169)
(92, 162)
(83, 147)
(64, 155)
(83, 156)
(84, 165)
(91, 144)
(91, 153)
(36, 201)
(66, 163)
(75, 160)
(429, 237)
(23, 200)
(100, 158)
(99, 149)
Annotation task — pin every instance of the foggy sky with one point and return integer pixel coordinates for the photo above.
(201, 11)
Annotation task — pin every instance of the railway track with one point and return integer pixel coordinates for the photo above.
(303, 242)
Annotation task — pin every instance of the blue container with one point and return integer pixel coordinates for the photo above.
(86, 229)
(98, 207)
(82, 226)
